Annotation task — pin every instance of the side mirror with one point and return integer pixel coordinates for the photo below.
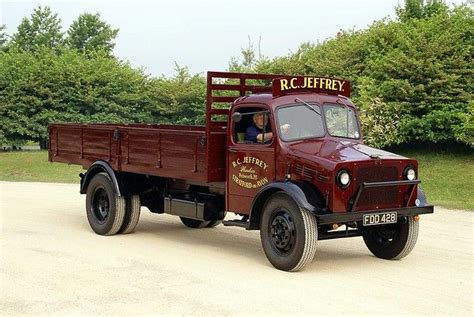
(236, 116)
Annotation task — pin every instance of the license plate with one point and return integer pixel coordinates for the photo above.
(380, 218)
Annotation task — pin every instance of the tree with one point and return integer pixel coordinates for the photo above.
(179, 99)
(46, 87)
(90, 33)
(3, 36)
(420, 9)
(412, 77)
(42, 29)
(249, 58)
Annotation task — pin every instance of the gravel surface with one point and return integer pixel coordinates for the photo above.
(52, 263)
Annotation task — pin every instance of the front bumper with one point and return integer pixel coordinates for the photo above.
(348, 217)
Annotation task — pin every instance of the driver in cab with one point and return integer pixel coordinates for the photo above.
(254, 133)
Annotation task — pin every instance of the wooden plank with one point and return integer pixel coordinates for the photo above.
(223, 98)
(219, 111)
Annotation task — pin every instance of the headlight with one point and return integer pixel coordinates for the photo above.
(343, 178)
(410, 173)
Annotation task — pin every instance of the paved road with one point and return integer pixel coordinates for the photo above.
(52, 263)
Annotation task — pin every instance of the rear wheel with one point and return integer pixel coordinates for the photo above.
(289, 233)
(105, 210)
(132, 214)
(393, 242)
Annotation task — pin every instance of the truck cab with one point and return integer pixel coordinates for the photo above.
(310, 148)
(285, 154)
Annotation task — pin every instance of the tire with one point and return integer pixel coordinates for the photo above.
(193, 223)
(105, 210)
(132, 214)
(393, 242)
(289, 234)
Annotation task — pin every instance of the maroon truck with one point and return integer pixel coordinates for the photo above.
(286, 156)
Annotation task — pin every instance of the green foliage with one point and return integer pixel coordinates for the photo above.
(45, 87)
(249, 59)
(3, 36)
(464, 132)
(43, 81)
(420, 9)
(379, 131)
(412, 77)
(89, 33)
(42, 29)
(418, 70)
(180, 99)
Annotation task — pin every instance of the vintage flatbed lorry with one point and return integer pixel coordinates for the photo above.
(283, 153)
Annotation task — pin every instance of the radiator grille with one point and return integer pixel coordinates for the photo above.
(372, 198)
(309, 173)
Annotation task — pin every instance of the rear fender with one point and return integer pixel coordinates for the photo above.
(305, 196)
(96, 168)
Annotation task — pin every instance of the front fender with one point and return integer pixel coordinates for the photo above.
(421, 198)
(304, 195)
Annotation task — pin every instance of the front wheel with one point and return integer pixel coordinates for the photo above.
(393, 242)
(289, 233)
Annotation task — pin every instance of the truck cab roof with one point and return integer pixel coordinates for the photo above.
(273, 102)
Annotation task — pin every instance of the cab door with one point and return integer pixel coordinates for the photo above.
(250, 166)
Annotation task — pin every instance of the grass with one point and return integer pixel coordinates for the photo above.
(33, 166)
(447, 178)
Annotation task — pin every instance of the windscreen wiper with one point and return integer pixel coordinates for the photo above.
(307, 105)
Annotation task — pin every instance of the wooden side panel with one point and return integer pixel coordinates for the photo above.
(165, 151)
(98, 144)
(69, 141)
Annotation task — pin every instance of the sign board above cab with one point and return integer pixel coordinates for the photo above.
(310, 84)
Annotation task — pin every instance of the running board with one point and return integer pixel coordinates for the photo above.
(236, 223)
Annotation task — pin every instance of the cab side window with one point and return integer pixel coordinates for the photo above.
(254, 127)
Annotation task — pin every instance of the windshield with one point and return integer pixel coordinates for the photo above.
(341, 121)
(300, 121)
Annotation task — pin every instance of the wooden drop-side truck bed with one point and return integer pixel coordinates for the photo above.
(182, 152)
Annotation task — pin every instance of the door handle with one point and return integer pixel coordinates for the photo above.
(232, 150)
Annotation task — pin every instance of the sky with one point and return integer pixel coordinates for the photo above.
(204, 34)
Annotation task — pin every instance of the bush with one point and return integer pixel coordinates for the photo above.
(417, 70)
(180, 99)
(43, 87)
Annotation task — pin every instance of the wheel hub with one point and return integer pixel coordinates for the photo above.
(282, 232)
(101, 205)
